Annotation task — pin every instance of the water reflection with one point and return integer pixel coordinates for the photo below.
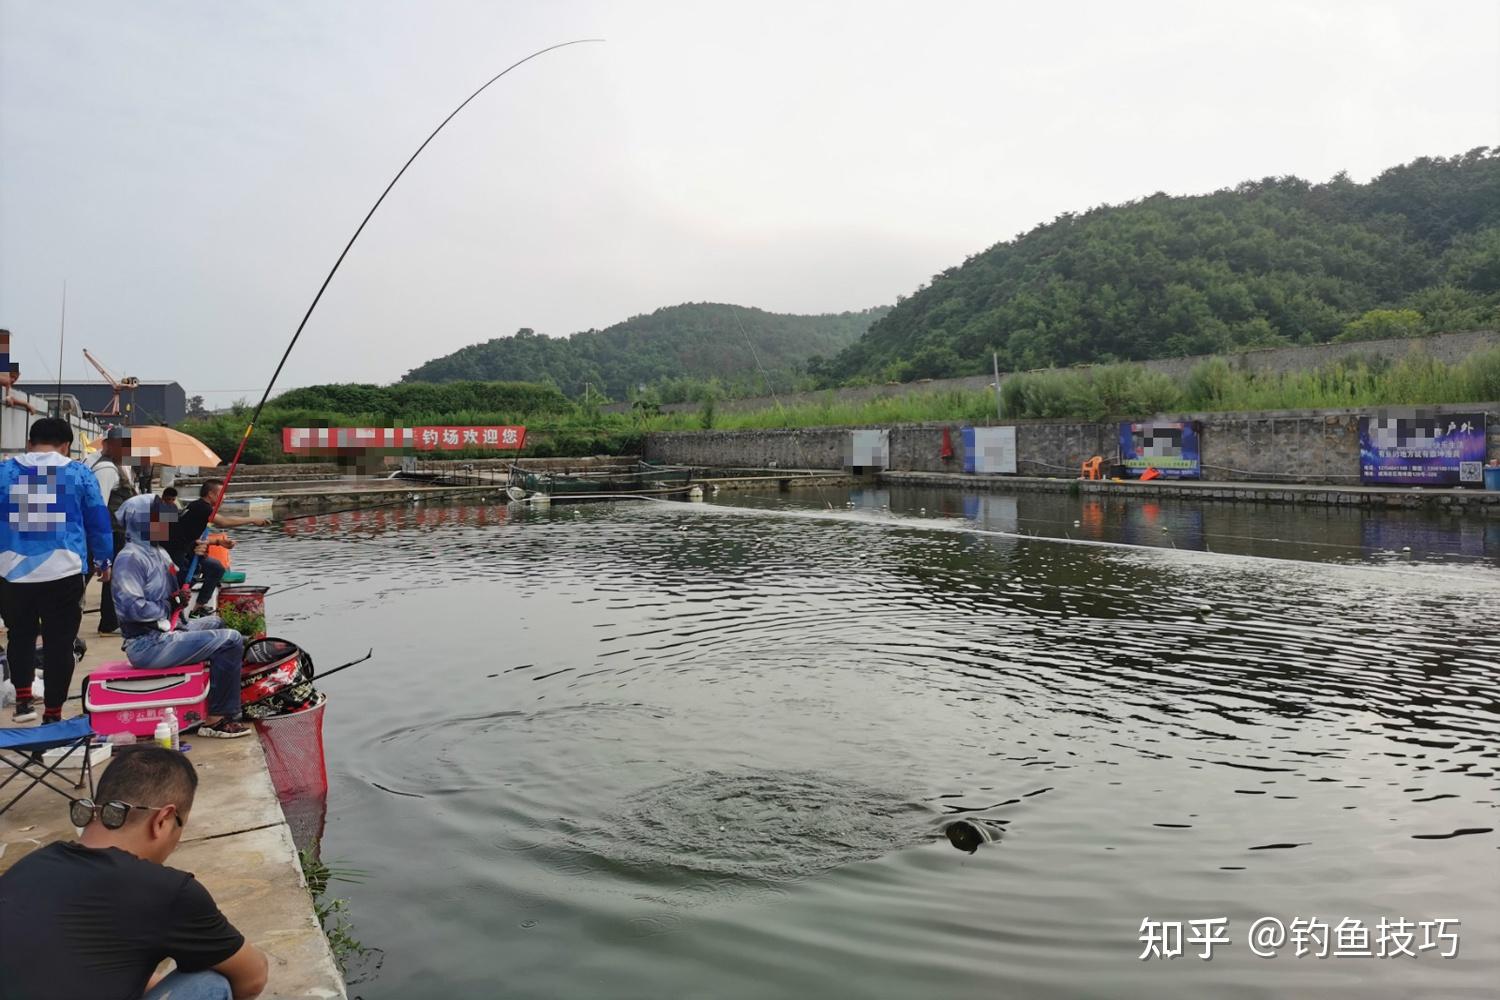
(681, 749)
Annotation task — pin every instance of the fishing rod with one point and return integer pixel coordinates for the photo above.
(250, 427)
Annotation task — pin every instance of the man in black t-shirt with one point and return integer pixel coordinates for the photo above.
(92, 920)
(191, 524)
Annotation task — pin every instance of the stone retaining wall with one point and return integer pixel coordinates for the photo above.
(1300, 446)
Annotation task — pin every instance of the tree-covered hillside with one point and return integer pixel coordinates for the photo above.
(1274, 261)
(697, 340)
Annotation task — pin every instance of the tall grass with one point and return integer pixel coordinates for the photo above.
(951, 405)
(1216, 385)
(1105, 392)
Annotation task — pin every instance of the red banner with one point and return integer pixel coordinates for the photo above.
(319, 440)
(459, 438)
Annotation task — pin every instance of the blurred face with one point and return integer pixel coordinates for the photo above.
(213, 493)
(161, 525)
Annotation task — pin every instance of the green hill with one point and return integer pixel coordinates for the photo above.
(696, 341)
(1274, 261)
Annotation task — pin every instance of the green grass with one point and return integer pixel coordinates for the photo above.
(1218, 386)
(1100, 393)
(332, 912)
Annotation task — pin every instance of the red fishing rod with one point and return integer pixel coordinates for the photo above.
(250, 427)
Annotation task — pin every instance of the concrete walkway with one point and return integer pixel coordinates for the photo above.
(236, 842)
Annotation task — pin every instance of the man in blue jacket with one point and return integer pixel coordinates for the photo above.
(51, 517)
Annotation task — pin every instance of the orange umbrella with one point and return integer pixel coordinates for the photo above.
(164, 446)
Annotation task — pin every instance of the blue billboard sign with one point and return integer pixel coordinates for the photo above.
(1169, 447)
(1421, 448)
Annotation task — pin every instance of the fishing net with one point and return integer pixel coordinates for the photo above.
(293, 744)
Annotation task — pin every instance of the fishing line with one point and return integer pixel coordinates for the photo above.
(62, 332)
(250, 427)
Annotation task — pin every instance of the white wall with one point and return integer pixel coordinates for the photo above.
(15, 421)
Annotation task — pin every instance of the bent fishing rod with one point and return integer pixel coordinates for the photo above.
(250, 427)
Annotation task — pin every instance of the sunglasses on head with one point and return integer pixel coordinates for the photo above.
(111, 814)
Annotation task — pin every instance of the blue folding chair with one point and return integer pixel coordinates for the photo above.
(21, 751)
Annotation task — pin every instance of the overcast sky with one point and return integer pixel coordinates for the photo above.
(193, 169)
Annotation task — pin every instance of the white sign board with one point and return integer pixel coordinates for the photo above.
(990, 449)
(868, 450)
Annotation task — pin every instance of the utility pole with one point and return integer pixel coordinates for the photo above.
(999, 406)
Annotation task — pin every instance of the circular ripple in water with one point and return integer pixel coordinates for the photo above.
(772, 826)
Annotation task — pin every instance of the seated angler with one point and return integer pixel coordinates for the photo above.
(95, 918)
(191, 524)
(146, 594)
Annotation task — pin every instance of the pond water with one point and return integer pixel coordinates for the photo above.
(651, 749)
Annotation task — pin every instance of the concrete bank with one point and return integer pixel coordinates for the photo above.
(1288, 446)
(236, 842)
(1480, 503)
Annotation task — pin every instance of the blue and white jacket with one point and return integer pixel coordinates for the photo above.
(144, 577)
(51, 517)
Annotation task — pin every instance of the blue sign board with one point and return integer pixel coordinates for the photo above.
(1169, 447)
(1422, 449)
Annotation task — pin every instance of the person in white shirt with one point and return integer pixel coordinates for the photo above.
(116, 485)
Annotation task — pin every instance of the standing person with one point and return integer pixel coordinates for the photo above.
(190, 527)
(116, 486)
(51, 517)
(146, 594)
(96, 917)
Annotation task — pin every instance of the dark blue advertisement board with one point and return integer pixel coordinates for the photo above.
(1418, 448)
(1169, 447)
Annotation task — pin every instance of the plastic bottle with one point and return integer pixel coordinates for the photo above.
(171, 721)
(163, 735)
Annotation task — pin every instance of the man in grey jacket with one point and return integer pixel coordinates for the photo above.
(147, 595)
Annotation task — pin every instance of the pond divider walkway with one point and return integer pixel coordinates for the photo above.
(236, 842)
(312, 497)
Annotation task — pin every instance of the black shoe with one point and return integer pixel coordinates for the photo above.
(79, 649)
(25, 710)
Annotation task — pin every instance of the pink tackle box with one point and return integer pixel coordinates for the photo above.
(120, 698)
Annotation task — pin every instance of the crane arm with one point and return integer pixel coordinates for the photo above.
(113, 382)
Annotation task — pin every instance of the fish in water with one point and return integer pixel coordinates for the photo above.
(970, 835)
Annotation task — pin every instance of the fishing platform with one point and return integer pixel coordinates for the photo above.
(239, 844)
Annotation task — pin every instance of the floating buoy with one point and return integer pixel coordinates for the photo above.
(695, 495)
(540, 500)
